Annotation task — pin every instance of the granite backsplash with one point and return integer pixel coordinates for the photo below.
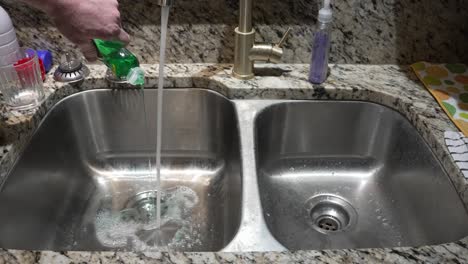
(369, 32)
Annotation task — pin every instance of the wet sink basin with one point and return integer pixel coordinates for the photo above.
(351, 175)
(237, 176)
(85, 180)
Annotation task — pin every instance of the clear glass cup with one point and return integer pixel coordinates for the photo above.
(21, 83)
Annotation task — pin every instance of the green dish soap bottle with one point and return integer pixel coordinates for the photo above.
(120, 61)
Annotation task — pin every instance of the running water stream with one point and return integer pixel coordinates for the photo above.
(162, 58)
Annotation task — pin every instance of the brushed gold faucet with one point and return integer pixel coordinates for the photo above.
(165, 2)
(246, 50)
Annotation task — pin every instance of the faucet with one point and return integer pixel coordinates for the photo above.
(165, 2)
(246, 51)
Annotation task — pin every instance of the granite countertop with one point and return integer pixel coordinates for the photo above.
(393, 86)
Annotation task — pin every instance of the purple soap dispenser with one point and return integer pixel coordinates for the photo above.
(321, 45)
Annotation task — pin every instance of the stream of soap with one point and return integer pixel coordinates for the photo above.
(162, 58)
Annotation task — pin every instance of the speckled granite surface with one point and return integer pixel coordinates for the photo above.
(375, 32)
(389, 85)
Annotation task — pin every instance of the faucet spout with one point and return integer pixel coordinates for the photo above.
(245, 16)
(165, 2)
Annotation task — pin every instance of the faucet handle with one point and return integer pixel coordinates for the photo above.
(283, 39)
(269, 52)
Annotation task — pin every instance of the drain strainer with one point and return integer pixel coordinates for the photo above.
(328, 223)
(328, 213)
(142, 207)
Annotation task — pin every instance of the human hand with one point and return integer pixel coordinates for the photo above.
(83, 20)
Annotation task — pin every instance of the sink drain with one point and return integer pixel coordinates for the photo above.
(328, 213)
(328, 223)
(142, 207)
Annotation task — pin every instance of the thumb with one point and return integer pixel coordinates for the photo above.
(123, 36)
(89, 51)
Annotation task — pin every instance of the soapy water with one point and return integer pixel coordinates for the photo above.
(118, 230)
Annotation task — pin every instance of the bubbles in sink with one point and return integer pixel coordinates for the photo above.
(117, 230)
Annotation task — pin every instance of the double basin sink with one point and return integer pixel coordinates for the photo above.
(237, 175)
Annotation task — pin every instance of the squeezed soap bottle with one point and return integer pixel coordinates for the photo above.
(321, 45)
(123, 64)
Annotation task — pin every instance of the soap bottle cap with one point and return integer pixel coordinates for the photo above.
(46, 57)
(325, 13)
(136, 76)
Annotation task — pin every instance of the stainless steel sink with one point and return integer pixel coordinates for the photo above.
(85, 181)
(351, 175)
(241, 175)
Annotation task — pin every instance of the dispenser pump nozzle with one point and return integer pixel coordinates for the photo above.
(325, 13)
